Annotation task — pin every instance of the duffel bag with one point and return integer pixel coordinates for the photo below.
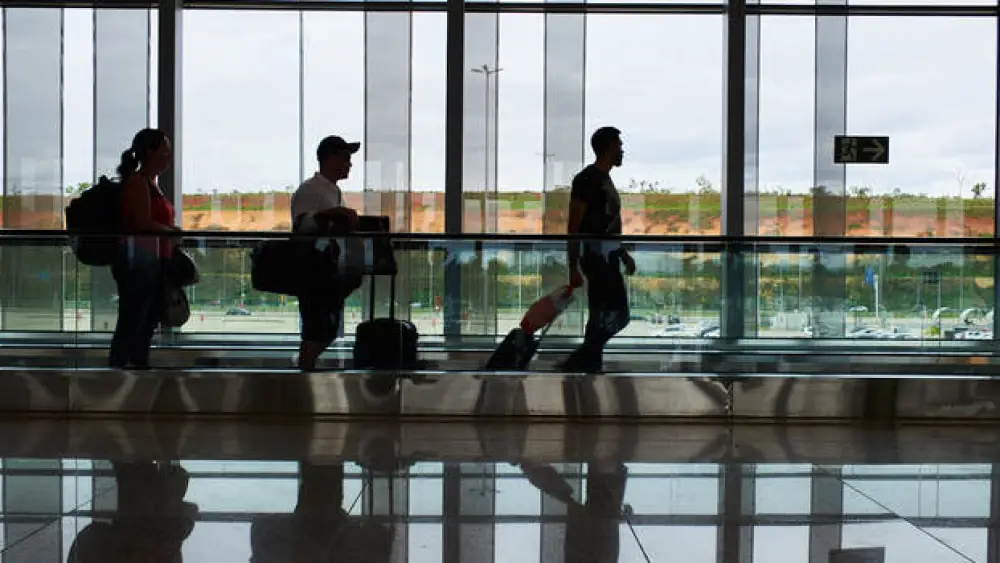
(293, 267)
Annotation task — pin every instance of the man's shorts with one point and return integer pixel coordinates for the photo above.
(320, 313)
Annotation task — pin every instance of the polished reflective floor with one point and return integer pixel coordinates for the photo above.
(757, 396)
(268, 491)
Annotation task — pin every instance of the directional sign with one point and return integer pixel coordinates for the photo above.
(858, 555)
(854, 150)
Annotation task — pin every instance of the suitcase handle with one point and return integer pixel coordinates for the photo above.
(392, 298)
(380, 224)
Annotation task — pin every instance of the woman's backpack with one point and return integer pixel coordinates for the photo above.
(94, 221)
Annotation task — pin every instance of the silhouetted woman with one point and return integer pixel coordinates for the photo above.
(138, 267)
(150, 523)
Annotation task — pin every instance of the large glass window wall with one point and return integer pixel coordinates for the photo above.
(727, 110)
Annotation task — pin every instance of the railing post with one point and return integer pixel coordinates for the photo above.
(455, 82)
(829, 197)
(737, 494)
(168, 95)
(826, 511)
(993, 530)
(996, 201)
(733, 257)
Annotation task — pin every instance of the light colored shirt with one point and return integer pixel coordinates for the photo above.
(318, 194)
(314, 195)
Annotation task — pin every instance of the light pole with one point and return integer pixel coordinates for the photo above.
(487, 73)
(548, 177)
(546, 158)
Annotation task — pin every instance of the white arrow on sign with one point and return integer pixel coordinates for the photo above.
(877, 151)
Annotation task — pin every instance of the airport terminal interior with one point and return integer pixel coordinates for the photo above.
(804, 372)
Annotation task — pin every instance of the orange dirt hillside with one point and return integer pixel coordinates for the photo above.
(527, 213)
(651, 214)
(271, 212)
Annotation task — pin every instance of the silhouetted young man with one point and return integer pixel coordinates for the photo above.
(595, 209)
(317, 202)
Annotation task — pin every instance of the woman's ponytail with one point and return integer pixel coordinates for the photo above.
(145, 143)
(128, 164)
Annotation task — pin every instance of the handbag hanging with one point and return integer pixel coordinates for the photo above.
(180, 268)
(176, 310)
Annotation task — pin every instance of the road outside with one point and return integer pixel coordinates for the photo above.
(430, 323)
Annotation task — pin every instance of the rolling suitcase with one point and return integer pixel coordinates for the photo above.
(515, 352)
(520, 345)
(385, 343)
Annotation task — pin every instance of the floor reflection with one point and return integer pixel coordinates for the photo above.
(319, 528)
(379, 508)
(149, 523)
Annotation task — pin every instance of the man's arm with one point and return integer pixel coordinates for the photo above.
(310, 206)
(577, 209)
(628, 261)
(547, 480)
(338, 212)
(341, 215)
(344, 213)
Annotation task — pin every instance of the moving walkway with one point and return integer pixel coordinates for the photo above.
(778, 311)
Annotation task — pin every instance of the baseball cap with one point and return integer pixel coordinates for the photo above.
(334, 144)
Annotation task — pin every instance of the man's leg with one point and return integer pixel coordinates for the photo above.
(313, 343)
(586, 357)
(320, 315)
(594, 533)
(607, 301)
(309, 353)
(606, 487)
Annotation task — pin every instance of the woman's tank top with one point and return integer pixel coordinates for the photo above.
(161, 211)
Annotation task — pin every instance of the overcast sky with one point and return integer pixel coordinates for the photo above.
(928, 83)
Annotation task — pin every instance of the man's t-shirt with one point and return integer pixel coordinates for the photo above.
(595, 188)
(314, 195)
(318, 194)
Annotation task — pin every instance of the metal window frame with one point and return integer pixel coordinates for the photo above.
(884, 10)
(169, 90)
(891, 10)
(736, 486)
(996, 197)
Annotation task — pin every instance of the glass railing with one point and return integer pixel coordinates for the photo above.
(475, 288)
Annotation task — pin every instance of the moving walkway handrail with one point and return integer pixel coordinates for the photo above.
(973, 246)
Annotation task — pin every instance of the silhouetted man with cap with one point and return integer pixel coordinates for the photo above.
(317, 205)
